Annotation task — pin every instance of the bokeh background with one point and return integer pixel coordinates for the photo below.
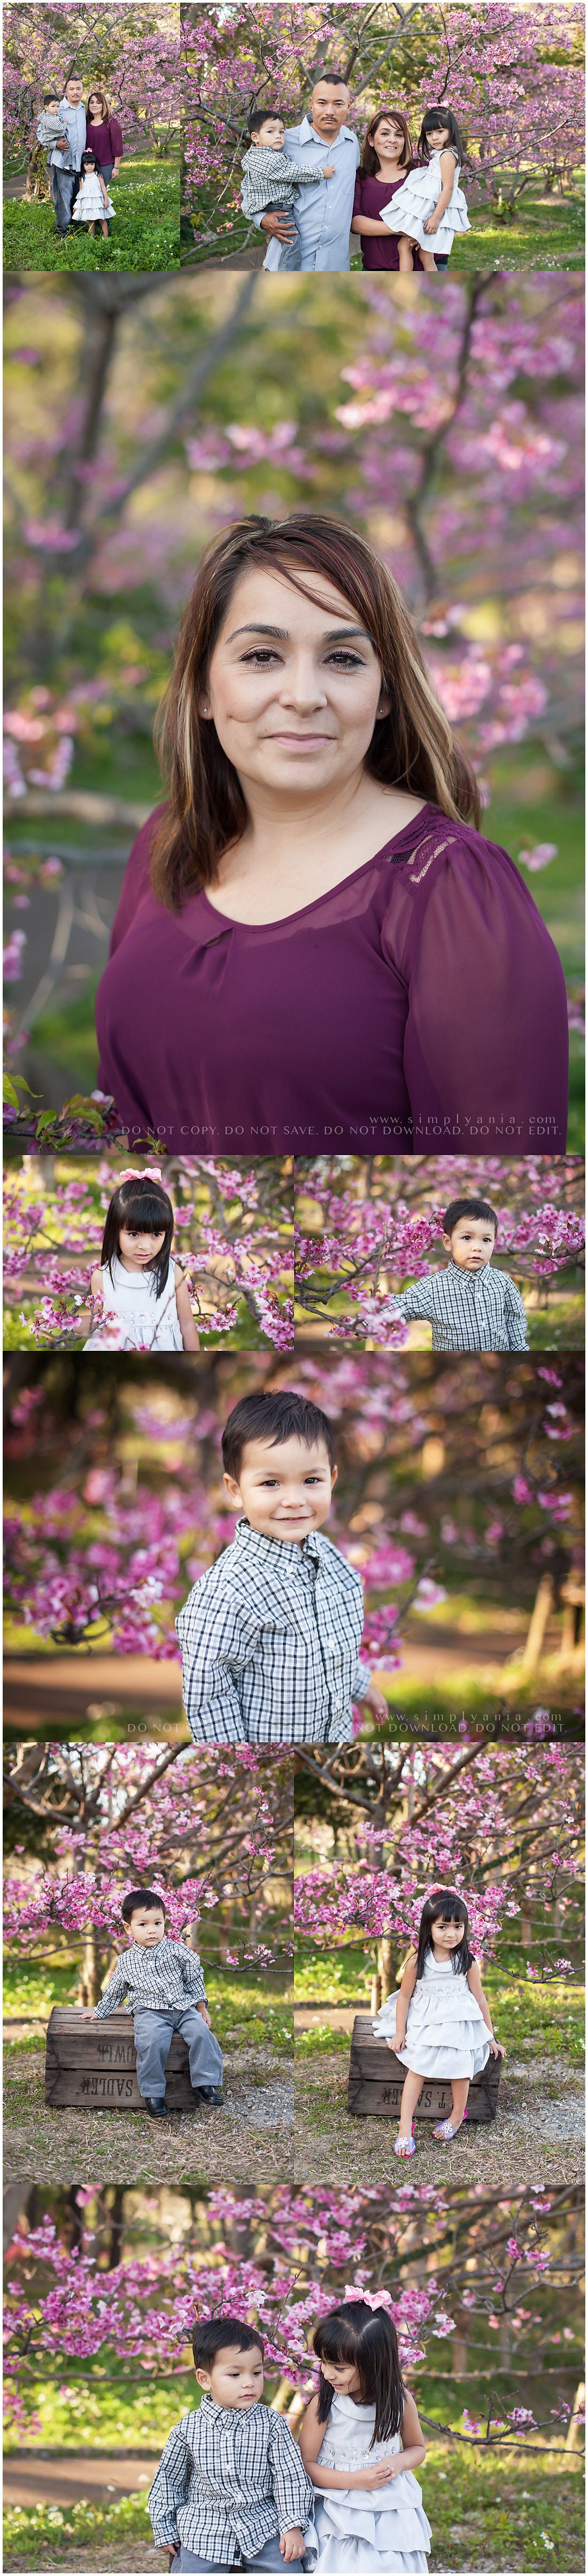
(367, 1224)
(485, 2293)
(459, 1499)
(442, 418)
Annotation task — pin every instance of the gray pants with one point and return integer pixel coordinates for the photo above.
(290, 257)
(269, 2556)
(153, 2035)
(63, 184)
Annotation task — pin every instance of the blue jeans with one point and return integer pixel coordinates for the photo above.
(63, 184)
(153, 2035)
(268, 2557)
(290, 257)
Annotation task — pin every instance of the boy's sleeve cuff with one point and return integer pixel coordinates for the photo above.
(362, 1680)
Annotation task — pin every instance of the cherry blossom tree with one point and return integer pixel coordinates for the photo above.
(233, 1243)
(133, 53)
(117, 482)
(467, 1474)
(511, 74)
(214, 1838)
(363, 1228)
(112, 2292)
(506, 1832)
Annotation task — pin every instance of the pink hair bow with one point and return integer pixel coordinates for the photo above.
(152, 1172)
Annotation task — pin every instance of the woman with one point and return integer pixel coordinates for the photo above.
(103, 135)
(313, 948)
(386, 157)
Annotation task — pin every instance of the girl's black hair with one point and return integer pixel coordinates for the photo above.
(89, 157)
(143, 1207)
(366, 2336)
(446, 1902)
(437, 116)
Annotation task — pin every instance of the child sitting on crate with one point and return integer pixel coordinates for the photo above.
(162, 1984)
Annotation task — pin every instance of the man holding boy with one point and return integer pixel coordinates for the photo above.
(162, 1984)
(324, 213)
(270, 1636)
(231, 2489)
(65, 162)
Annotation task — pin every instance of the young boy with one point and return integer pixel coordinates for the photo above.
(271, 180)
(470, 1306)
(50, 132)
(231, 2489)
(162, 1984)
(270, 1636)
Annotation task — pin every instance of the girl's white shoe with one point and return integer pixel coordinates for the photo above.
(404, 2146)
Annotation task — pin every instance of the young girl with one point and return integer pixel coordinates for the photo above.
(438, 2023)
(360, 2442)
(93, 197)
(430, 207)
(139, 1284)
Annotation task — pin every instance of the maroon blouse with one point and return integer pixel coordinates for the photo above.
(370, 196)
(421, 1004)
(105, 141)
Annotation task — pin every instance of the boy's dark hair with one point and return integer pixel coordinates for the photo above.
(143, 1207)
(260, 116)
(147, 1898)
(444, 1902)
(435, 117)
(357, 2333)
(212, 2333)
(468, 1207)
(279, 1417)
(49, 94)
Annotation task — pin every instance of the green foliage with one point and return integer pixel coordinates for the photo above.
(145, 231)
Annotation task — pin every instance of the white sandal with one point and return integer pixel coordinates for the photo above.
(404, 2146)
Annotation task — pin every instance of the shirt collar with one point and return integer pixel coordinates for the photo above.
(267, 1550)
(467, 1278)
(229, 2414)
(308, 134)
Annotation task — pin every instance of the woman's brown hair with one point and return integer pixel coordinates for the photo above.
(411, 747)
(369, 159)
(99, 93)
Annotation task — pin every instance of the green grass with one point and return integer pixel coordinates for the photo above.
(145, 230)
(547, 231)
(245, 2013)
(489, 2513)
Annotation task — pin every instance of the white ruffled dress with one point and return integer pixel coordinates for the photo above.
(146, 1321)
(446, 2034)
(89, 205)
(367, 2527)
(409, 208)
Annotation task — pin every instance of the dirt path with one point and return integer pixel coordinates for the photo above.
(72, 2477)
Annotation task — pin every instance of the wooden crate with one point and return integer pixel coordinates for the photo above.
(90, 2065)
(376, 2078)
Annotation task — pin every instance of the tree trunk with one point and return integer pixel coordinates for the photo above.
(540, 1614)
(376, 1991)
(574, 2428)
(385, 1968)
(90, 1968)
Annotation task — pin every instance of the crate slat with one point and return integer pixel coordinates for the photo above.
(376, 2078)
(91, 2065)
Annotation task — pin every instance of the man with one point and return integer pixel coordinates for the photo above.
(323, 213)
(64, 177)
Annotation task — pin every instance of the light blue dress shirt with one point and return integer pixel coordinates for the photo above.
(323, 214)
(74, 125)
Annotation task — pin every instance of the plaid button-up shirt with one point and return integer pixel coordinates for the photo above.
(469, 1310)
(229, 2475)
(270, 1640)
(165, 1979)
